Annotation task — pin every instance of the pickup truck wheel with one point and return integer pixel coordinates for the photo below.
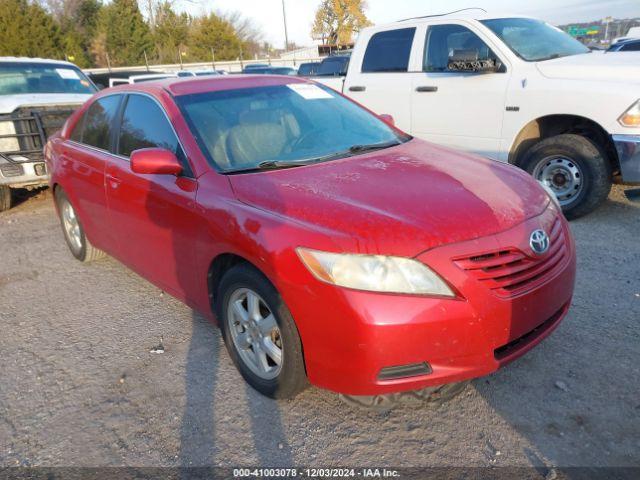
(5, 198)
(260, 334)
(73, 232)
(575, 169)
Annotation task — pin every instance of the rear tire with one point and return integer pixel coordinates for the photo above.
(575, 168)
(73, 232)
(5, 198)
(263, 342)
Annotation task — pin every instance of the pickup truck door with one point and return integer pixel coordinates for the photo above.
(153, 216)
(379, 77)
(462, 110)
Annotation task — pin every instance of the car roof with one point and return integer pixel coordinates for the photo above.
(36, 60)
(178, 86)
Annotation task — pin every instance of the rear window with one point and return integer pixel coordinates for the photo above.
(389, 51)
(333, 66)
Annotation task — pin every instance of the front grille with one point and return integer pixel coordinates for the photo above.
(11, 170)
(511, 272)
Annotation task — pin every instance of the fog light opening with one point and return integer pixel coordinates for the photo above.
(405, 371)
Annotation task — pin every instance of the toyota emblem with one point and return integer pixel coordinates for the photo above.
(539, 242)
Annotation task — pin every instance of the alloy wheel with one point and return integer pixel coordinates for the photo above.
(255, 333)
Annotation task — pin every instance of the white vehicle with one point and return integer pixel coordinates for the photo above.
(36, 97)
(632, 34)
(197, 73)
(147, 77)
(511, 88)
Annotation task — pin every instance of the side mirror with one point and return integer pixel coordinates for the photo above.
(386, 118)
(155, 161)
(468, 60)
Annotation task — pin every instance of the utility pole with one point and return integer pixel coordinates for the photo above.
(286, 33)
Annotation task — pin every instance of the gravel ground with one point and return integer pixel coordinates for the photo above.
(79, 386)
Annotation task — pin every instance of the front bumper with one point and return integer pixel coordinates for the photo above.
(350, 336)
(628, 148)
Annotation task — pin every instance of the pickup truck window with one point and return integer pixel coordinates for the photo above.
(444, 40)
(389, 51)
(534, 40)
(97, 123)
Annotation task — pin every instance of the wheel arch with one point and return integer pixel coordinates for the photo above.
(221, 264)
(557, 124)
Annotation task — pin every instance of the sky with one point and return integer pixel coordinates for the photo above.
(267, 14)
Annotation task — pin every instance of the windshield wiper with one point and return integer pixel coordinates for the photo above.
(278, 164)
(373, 146)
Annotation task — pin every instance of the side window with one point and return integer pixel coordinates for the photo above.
(76, 134)
(98, 122)
(145, 125)
(389, 51)
(632, 47)
(443, 41)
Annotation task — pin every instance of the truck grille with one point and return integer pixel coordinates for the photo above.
(25, 131)
(511, 272)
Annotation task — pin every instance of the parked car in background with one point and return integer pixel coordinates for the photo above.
(630, 45)
(146, 77)
(101, 80)
(36, 97)
(197, 73)
(331, 247)
(273, 71)
(308, 69)
(511, 89)
(252, 66)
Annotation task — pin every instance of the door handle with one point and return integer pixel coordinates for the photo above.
(357, 89)
(114, 182)
(426, 89)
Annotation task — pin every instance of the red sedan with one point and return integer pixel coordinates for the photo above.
(331, 247)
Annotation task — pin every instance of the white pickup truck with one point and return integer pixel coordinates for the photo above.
(511, 88)
(36, 97)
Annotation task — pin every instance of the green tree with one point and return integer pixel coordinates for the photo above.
(337, 20)
(122, 34)
(27, 29)
(212, 32)
(170, 32)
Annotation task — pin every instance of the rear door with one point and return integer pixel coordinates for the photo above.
(462, 110)
(153, 215)
(379, 75)
(83, 159)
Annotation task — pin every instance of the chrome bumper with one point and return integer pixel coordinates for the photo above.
(23, 174)
(628, 147)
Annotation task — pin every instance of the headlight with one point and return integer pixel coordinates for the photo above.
(631, 118)
(552, 196)
(374, 273)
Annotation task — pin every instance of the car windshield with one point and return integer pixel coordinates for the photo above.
(534, 40)
(22, 77)
(282, 125)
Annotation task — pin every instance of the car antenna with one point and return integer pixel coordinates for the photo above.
(444, 14)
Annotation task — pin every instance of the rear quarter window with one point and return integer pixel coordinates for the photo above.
(389, 51)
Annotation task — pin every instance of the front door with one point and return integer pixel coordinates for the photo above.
(462, 110)
(153, 216)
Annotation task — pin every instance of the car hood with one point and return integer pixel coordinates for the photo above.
(398, 201)
(612, 66)
(8, 103)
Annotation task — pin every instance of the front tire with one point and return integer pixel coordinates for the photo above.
(73, 232)
(260, 333)
(5, 198)
(575, 169)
